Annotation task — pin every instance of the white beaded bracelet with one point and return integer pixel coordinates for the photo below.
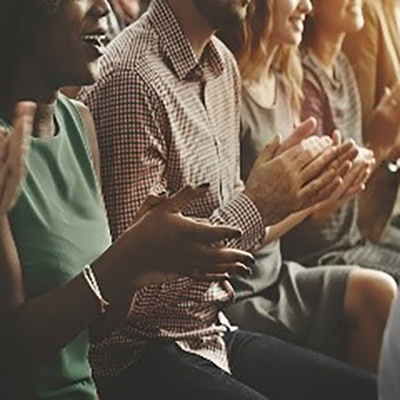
(91, 280)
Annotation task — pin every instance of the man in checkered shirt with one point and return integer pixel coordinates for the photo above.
(167, 110)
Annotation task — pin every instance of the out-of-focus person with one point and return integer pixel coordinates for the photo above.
(374, 53)
(331, 96)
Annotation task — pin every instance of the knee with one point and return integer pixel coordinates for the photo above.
(369, 295)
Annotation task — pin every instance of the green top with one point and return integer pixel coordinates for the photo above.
(59, 225)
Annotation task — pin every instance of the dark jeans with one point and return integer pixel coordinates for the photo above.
(262, 368)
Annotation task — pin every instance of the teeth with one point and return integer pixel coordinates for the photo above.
(93, 38)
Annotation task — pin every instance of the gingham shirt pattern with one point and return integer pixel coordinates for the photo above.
(165, 119)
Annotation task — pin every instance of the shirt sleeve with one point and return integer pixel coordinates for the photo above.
(132, 133)
(240, 212)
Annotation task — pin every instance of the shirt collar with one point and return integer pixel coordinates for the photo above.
(178, 49)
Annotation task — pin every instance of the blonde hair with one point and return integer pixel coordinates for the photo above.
(249, 44)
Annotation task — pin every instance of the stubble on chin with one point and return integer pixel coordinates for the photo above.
(224, 16)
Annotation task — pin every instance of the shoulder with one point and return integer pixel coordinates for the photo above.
(89, 127)
(129, 63)
(347, 71)
(231, 69)
(312, 82)
(228, 59)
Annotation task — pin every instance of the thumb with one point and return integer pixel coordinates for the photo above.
(23, 120)
(151, 201)
(303, 131)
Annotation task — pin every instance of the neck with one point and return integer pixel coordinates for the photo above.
(269, 62)
(327, 46)
(30, 84)
(193, 24)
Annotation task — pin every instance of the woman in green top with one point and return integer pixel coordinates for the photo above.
(50, 303)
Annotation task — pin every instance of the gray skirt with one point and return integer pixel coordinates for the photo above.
(304, 307)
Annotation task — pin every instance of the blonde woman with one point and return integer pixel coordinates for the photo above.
(321, 308)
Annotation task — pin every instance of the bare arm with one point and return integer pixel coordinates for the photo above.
(32, 328)
(278, 230)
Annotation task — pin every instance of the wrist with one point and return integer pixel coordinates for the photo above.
(115, 271)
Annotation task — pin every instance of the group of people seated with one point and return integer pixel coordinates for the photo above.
(211, 215)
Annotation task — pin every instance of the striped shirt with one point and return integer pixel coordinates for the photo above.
(165, 119)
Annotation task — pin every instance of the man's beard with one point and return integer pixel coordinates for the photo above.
(221, 16)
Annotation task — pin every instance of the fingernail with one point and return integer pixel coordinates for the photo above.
(238, 234)
(252, 262)
(245, 272)
(205, 185)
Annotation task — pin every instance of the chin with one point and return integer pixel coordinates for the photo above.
(88, 75)
(295, 39)
(355, 26)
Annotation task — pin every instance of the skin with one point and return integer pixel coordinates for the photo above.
(129, 10)
(34, 328)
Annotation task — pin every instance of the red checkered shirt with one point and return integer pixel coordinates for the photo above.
(165, 119)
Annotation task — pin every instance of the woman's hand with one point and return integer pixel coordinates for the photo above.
(164, 244)
(389, 106)
(381, 133)
(354, 177)
(13, 151)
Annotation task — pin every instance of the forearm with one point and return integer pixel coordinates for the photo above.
(278, 230)
(34, 328)
(380, 132)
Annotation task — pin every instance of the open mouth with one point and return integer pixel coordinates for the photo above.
(95, 43)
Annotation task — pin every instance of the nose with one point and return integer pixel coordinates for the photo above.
(306, 6)
(101, 8)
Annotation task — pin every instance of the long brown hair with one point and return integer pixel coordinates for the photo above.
(249, 44)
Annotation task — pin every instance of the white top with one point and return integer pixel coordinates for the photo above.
(389, 372)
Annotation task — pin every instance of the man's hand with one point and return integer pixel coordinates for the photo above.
(13, 151)
(297, 174)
